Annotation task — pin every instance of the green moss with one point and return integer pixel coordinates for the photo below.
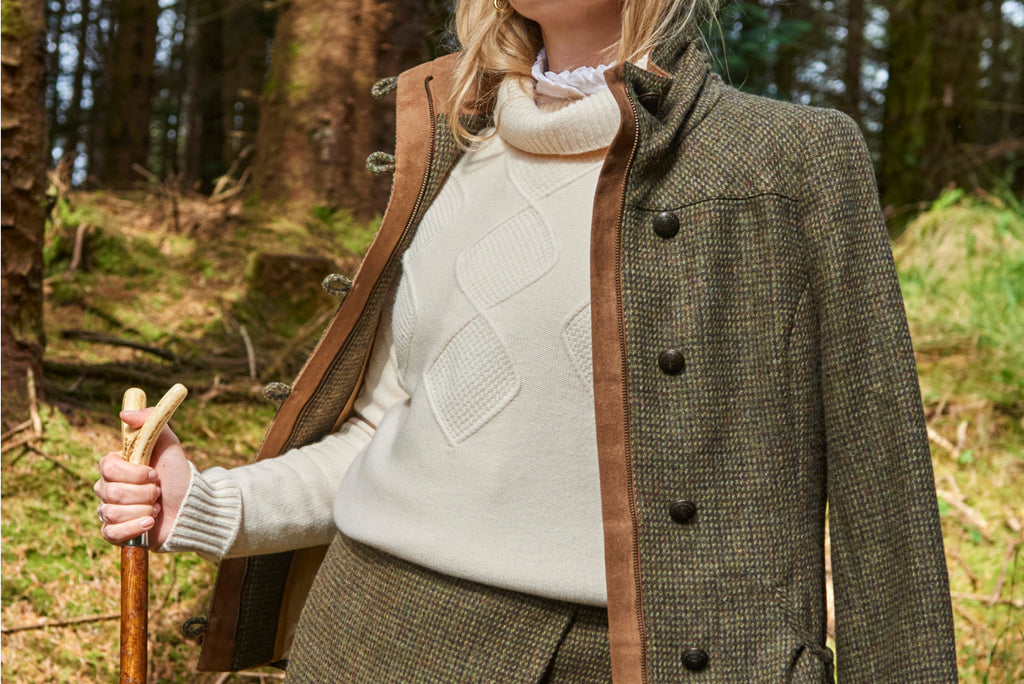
(339, 226)
(13, 23)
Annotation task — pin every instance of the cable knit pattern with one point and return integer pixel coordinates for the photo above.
(507, 259)
(403, 323)
(489, 471)
(444, 209)
(576, 336)
(472, 450)
(471, 380)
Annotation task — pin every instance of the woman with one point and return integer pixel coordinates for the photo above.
(594, 383)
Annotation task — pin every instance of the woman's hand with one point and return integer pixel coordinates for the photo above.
(136, 498)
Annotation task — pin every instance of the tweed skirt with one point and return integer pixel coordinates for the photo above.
(371, 617)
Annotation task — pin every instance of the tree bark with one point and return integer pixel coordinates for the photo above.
(129, 92)
(73, 121)
(954, 94)
(853, 58)
(23, 187)
(907, 97)
(208, 120)
(318, 122)
(245, 68)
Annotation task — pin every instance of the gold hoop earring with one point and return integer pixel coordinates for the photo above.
(501, 6)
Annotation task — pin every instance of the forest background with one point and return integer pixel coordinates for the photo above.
(178, 175)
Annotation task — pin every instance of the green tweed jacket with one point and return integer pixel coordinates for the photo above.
(751, 365)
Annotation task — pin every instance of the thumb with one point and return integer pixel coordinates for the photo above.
(135, 419)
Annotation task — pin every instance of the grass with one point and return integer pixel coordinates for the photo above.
(962, 270)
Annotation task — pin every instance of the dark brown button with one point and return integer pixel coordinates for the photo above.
(666, 225)
(695, 659)
(671, 361)
(682, 512)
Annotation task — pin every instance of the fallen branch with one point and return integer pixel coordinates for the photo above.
(107, 371)
(980, 631)
(971, 516)
(61, 623)
(941, 441)
(39, 452)
(249, 353)
(15, 430)
(987, 600)
(79, 249)
(33, 404)
(19, 442)
(100, 338)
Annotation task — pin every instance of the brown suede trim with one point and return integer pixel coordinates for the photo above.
(217, 654)
(411, 159)
(625, 610)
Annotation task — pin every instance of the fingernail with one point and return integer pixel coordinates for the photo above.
(156, 510)
(146, 523)
(158, 492)
(152, 475)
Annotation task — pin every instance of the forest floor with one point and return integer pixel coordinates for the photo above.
(183, 280)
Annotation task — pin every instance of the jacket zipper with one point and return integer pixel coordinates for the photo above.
(391, 257)
(627, 451)
(426, 174)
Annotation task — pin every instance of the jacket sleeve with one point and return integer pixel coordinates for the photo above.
(892, 606)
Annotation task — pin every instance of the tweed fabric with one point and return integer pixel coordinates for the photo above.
(371, 617)
(799, 388)
(264, 577)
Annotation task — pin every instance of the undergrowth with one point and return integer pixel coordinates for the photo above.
(961, 268)
(182, 284)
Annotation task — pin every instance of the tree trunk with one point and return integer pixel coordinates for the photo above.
(55, 14)
(907, 94)
(853, 58)
(23, 188)
(954, 94)
(130, 79)
(245, 68)
(73, 122)
(208, 120)
(789, 58)
(318, 122)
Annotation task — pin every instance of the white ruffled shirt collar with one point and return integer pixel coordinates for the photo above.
(567, 85)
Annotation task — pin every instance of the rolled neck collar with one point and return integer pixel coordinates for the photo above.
(569, 126)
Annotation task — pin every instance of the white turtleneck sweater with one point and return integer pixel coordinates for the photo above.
(472, 450)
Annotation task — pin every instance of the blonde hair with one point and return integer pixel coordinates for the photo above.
(498, 44)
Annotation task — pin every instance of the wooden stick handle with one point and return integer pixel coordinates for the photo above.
(139, 443)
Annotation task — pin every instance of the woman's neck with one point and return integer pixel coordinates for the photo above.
(576, 32)
(570, 50)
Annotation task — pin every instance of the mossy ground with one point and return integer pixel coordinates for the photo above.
(183, 287)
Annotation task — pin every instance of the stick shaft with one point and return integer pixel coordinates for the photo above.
(134, 613)
(134, 578)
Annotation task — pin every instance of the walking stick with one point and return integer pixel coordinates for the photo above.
(137, 448)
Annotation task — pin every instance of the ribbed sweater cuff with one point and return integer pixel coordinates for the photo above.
(210, 515)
